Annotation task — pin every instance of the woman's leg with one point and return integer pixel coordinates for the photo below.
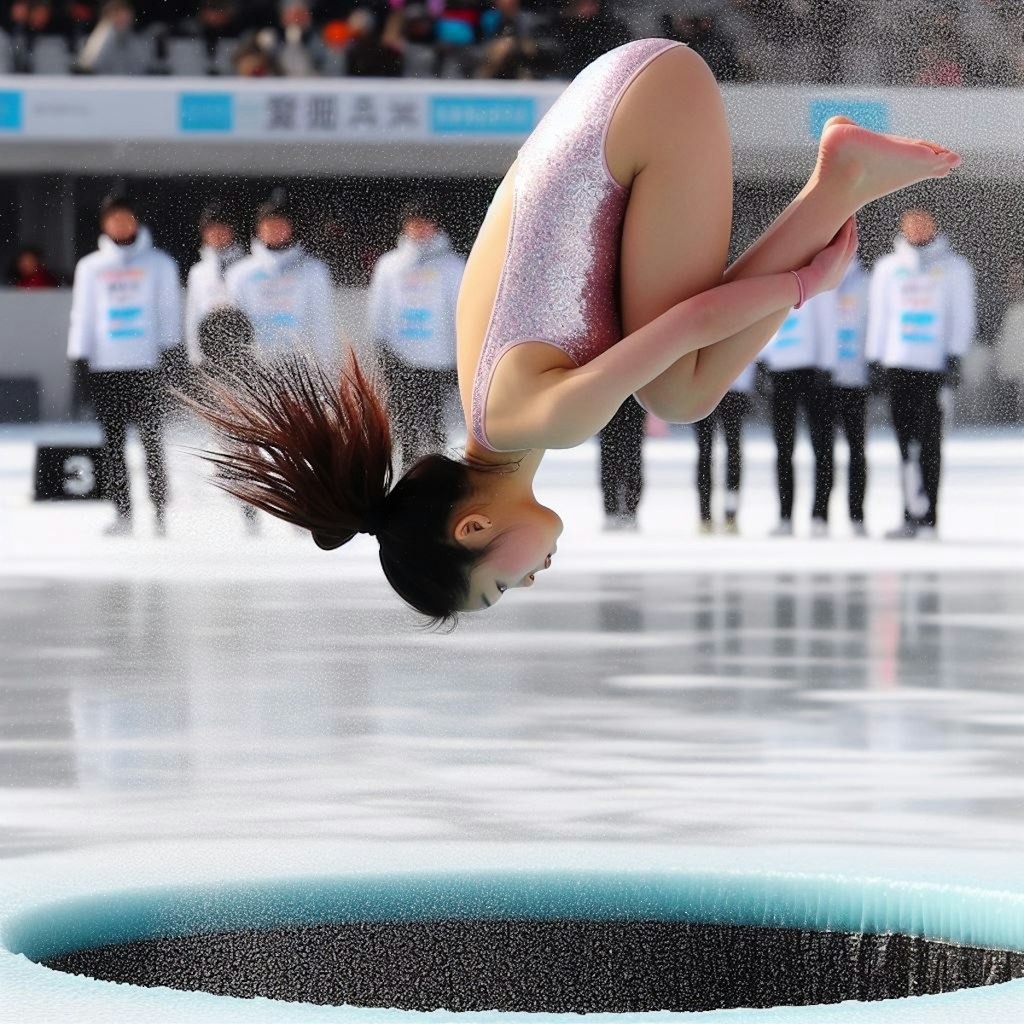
(669, 137)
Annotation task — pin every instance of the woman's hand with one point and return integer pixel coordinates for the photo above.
(826, 270)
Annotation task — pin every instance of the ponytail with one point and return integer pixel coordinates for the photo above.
(319, 454)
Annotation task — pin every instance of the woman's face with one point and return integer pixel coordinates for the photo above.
(524, 541)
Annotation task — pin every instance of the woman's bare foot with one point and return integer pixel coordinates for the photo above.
(873, 165)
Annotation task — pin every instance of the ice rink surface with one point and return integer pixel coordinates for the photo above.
(660, 687)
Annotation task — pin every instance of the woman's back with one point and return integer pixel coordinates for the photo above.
(545, 264)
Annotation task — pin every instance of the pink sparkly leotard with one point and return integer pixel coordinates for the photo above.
(559, 281)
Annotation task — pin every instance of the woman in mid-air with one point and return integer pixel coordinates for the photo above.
(599, 272)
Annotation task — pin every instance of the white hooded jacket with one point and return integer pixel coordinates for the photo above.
(125, 306)
(206, 290)
(850, 367)
(806, 339)
(921, 308)
(287, 294)
(411, 302)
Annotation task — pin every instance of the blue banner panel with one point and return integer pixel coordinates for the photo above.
(11, 118)
(206, 112)
(871, 114)
(482, 115)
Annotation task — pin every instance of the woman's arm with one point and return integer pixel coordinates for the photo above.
(564, 407)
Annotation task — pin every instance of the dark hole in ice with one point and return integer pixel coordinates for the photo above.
(553, 966)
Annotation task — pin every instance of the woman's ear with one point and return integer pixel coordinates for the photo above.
(473, 526)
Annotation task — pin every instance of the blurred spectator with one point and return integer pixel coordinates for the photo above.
(301, 52)
(27, 20)
(411, 322)
(830, 31)
(510, 53)
(372, 54)
(79, 19)
(214, 20)
(850, 383)
(29, 271)
(1010, 343)
(284, 291)
(6, 54)
(252, 60)
(701, 32)
(799, 359)
(225, 341)
(936, 66)
(125, 319)
(584, 31)
(114, 48)
(921, 322)
(205, 289)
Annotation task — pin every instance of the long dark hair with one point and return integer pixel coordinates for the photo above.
(318, 454)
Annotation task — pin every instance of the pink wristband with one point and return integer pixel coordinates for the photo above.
(800, 285)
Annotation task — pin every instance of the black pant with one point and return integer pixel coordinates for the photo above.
(790, 390)
(622, 468)
(121, 398)
(417, 399)
(851, 414)
(729, 414)
(917, 416)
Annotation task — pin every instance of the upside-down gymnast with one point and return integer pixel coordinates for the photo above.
(599, 272)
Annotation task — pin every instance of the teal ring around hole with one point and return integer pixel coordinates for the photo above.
(60, 903)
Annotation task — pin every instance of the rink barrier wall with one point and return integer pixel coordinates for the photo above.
(434, 128)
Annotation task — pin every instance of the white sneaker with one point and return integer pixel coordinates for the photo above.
(927, 533)
(706, 527)
(612, 524)
(858, 529)
(819, 528)
(784, 529)
(906, 531)
(120, 527)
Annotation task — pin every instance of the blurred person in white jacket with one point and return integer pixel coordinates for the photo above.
(729, 415)
(206, 288)
(125, 315)
(799, 360)
(1010, 343)
(285, 292)
(850, 383)
(921, 321)
(411, 324)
